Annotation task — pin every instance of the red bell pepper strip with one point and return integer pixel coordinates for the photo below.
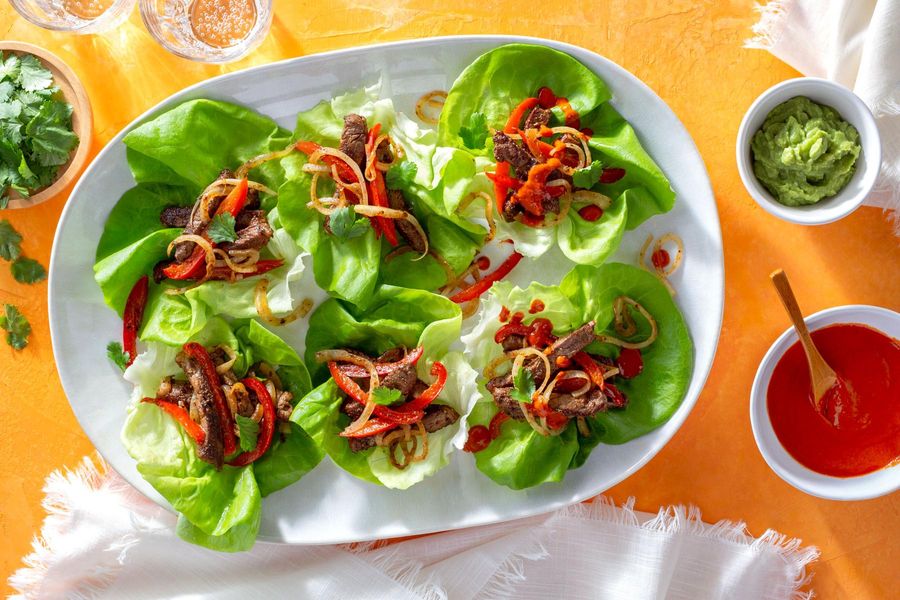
(611, 175)
(262, 266)
(556, 420)
(419, 403)
(372, 427)
(484, 284)
(505, 180)
(378, 196)
(350, 387)
(343, 168)
(266, 426)
(515, 117)
(511, 329)
(133, 316)
(184, 419)
(199, 354)
(590, 367)
(501, 175)
(351, 370)
(236, 199)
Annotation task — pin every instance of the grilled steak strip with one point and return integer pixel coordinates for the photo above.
(253, 233)
(353, 138)
(537, 118)
(507, 150)
(180, 394)
(437, 416)
(416, 241)
(587, 405)
(283, 406)
(212, 449)
(175, 216)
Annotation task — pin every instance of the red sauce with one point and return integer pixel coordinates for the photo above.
(541, 334)
(660, 258)
(483, 262)
(587, 131)
(630, 363)
(546, 98)
(571, 115)
(590, 213)
(504, 315)
(536, 306)
(868, 439)
(480, 437)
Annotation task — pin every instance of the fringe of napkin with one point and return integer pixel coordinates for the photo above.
(777, 16)
(416, 565)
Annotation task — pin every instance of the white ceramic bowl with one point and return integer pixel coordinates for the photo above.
(853, 110)
(871, 485)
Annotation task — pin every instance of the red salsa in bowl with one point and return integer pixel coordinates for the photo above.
(868, 438)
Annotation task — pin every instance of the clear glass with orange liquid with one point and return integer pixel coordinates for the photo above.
(208, 30)
(76, 16)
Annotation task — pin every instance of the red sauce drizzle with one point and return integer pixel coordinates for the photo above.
(480, 437)
(590, 213)
(660, 258)
(483, 262)
(536, 306)
(546, 98)
(868, 438)
(630, 363)
(504, 315)
(572, 118)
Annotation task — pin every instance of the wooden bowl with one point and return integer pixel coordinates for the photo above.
(82, 121)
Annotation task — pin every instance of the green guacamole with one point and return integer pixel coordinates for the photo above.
(804, 152)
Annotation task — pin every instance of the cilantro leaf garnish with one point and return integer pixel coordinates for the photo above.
(344, 224)
(523, 383)
(586, 177)
(248, 431)
(118, 356)
(221, 228)
(476, 132)
(28, 270)
(384, 396)
(401, 176)
(17, 327)
(50, 135)
(10, 241)
(33, 75)
(9, 67)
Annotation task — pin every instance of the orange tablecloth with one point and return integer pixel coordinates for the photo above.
(690, 53)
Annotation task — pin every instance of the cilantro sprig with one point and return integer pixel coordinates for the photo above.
(345, 225)
(221, 228)
(248, 432)
(117, 355)
(36, 135)
(523, 386)
(384, 396)
(24, 270)
(475, 134)
(586, 177)
(16, 325)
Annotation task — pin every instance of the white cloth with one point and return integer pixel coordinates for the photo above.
(103, 539)
(857, 44)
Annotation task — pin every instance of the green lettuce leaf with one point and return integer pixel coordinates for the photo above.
(217, 509)
(497, 82)
(520, 457)
(395, 317)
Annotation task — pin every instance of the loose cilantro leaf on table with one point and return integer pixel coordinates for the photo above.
(385, 396)
(476, 132)
(10, 241)
(36, 134)
(221, 228)
(344, 224)
(28, 270)
(17, 327)
(586, 177)
(248, 431)
(118, 356)
(524, 386)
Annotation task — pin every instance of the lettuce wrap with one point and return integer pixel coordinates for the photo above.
(351, 269)
(395, 317)
(217, 509)
(481, 101)
(520, 457)
(173, 157)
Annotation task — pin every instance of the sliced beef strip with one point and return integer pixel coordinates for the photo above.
(506, 403)
(537, 118)
(514, 342)
(220, 357)
(254, 235)
(566, 346)
(507, 150)
(511, 209)
(392, 355)
(588, 405)
(416, 241)
(383, 153)
(175, 216)
(180, 394)
(402, 378)
(246, 405)
(283, 406)
(352, 408)
(437, 416)
(212, 449)
(353, 138)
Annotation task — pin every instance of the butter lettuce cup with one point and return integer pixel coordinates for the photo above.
(816, 159)
(390, 400)
(209, 428)
(604, 357)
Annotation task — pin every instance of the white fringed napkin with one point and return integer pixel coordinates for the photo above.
(103, 539)
(857, 44)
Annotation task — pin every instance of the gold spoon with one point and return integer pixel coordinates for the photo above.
(828, 389)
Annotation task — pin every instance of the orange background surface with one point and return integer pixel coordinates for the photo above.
(690, 53)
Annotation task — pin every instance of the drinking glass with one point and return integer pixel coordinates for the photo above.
(208, 30)
(75, 16)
